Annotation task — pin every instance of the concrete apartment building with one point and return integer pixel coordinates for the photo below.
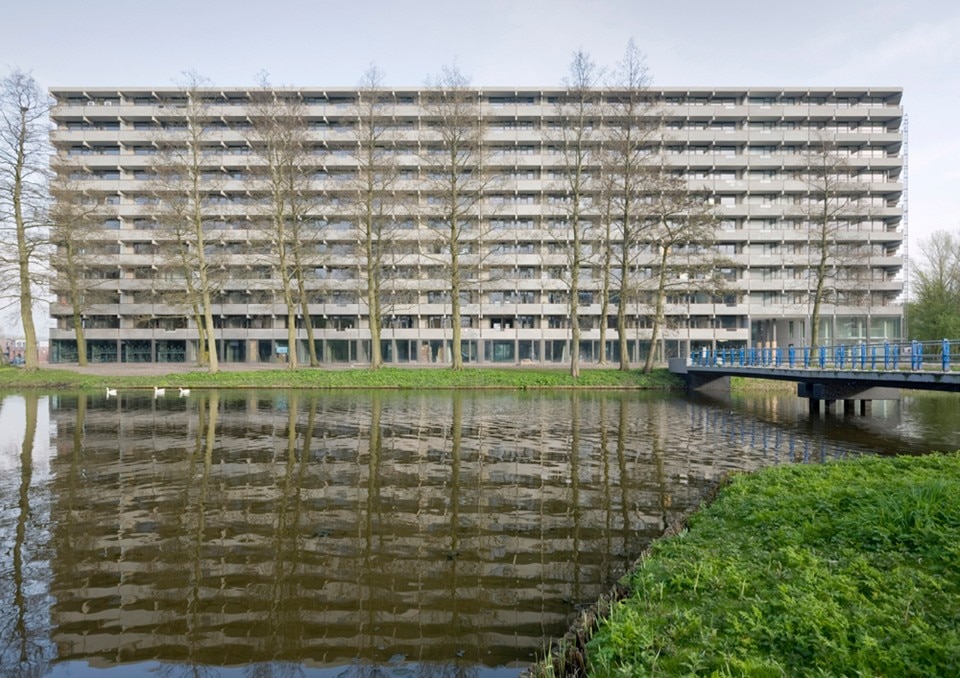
(749, 148)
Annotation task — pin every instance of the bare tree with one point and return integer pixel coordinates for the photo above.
(23, 194)
(934, 310)
(632, 124)
(374, 200)
(606, 245)
(75, 222)
(678, 224)
(456, 183)
(182, 191)
(832, 197)
(578, 110)
(280, 138)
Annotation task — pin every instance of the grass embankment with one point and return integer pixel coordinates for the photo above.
(848, 568)
(388, 377)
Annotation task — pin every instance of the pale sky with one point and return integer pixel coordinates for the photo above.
(914, 44)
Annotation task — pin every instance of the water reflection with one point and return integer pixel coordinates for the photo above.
(291, 533)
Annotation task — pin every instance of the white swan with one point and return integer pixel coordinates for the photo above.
(111, 392)
(157, 392)
(184, 392)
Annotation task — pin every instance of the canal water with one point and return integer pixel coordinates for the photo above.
(291, 533)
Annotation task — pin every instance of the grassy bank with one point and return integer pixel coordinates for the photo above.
(848, 568)
(394, 378)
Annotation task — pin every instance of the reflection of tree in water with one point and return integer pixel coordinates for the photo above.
(283, 619)
(664, 499)
(276, 669)
(624, 475)
(575, 509)
(23, 646)
(191, 669)
(203, 453)
(370, 523)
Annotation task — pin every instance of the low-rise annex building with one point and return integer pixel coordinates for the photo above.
(750, 149)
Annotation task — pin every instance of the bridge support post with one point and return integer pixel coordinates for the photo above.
(813, 405)
(865, 407)
(847, 392)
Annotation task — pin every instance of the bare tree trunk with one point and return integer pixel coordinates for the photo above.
(78, 330)
(821, 272)
(209, 329)
(457, 358)
(575, 318)
(31, 360)
(308, 324)
(605, 291)
(658, 313)
(622, 306)
(204, 279)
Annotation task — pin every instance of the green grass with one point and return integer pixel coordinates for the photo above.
(389, 377)
(848, 568)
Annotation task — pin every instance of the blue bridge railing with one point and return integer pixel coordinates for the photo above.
(886, 356)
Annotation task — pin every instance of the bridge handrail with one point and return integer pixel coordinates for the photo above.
(886, 356)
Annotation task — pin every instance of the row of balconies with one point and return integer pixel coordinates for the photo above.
(886, 230)
(502, 169)
(744, 308)
(425, 278)
(107, 144)
(129, 187)
(487, 309)
(486, 334)
(794, 161)
(705, 334)
(725, 111)
(739, 137)
(556, 210)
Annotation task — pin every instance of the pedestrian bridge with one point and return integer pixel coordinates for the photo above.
(849, 373)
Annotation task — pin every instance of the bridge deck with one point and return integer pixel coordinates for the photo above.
(924, 380)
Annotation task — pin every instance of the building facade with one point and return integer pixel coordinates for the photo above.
(752, 151)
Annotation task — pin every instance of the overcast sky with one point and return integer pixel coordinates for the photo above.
(914, 44)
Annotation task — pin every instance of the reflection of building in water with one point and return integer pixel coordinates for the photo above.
(465, 525)
(773, 442)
